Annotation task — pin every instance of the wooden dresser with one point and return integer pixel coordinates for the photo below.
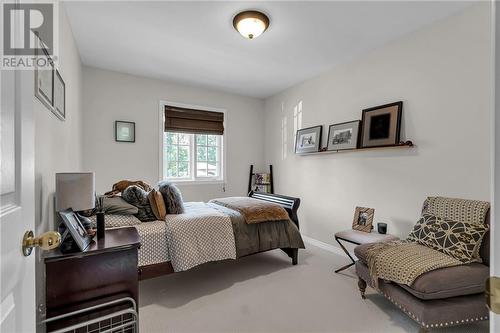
(106, 271)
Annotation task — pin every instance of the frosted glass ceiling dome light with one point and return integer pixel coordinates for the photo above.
(251, 23)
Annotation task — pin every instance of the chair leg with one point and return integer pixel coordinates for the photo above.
(362, 287)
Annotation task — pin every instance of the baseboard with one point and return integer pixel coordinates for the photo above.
(323, 245)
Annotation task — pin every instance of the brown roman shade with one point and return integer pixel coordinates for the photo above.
(186, 120)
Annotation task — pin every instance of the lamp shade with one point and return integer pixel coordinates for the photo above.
(75, 191)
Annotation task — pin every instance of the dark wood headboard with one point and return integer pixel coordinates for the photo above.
(290, 204)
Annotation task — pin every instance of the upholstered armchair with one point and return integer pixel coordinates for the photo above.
(442, 297)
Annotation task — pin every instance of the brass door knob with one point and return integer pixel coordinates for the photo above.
(47, 241)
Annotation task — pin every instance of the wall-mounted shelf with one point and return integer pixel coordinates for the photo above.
(407, 144)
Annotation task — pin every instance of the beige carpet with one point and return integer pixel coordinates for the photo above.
(265, 293)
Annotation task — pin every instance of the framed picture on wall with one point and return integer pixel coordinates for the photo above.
(59, 96)
(44, 78)
(308, 140)
(381, 125)
(343, 135)
(124, 131)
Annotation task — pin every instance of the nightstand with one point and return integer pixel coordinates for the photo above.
(104, 273)
(359, 237)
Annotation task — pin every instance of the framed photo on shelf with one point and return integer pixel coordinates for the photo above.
(59, 96)
(343, 135)
(381, 125)
(308, 140)
(76, 229)
(124, 131)
(363, 219)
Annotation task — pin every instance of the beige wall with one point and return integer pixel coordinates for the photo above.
(110, 96)
(442, 73)
(58, 144)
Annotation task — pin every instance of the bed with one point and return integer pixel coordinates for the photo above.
(161, 254)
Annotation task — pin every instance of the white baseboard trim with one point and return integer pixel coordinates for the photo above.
(323, 245)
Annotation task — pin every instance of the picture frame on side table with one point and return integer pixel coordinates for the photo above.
(381, 125)
(343, 135)
(59, 96)
(124, 131)
(363, 219)
(308, 140)
(76, 229)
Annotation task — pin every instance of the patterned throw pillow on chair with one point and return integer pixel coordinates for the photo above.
(460, 240)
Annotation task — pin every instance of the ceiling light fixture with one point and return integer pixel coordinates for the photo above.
(251, 23)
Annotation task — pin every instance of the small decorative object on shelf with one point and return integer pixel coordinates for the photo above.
(382, 228)
(308, 140)
(363, 219)
(406, 143)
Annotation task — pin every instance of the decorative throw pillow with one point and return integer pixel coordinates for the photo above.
(460, 240)
(172, 197)
(136, 196)
(117, 206)
(157, 204)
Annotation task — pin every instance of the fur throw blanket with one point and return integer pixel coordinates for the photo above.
(123, 184)
(253, 210)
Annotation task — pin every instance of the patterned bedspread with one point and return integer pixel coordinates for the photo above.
(202, 234)
(206, 232)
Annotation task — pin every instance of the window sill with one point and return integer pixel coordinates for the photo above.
(196, 182)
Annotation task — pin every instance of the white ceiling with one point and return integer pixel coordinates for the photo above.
(195, 43)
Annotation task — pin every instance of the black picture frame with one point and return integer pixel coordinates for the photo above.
(390, 116)
(76, 229)
(61, 114)
(356, 133)
(315, 132)
(118, 136)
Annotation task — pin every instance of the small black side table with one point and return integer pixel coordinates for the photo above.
(359, 237)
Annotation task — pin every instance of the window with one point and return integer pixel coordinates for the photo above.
(192, 144)
(208, 149)
(192, 156)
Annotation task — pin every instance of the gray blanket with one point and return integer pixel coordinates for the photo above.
(254, 238)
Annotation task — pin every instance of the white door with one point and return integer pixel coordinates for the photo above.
(17, 277)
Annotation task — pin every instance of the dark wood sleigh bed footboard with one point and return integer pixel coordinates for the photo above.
(290, 204)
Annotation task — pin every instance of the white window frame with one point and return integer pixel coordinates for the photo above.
(193, 179)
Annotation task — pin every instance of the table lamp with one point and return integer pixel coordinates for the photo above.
(75, 190)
